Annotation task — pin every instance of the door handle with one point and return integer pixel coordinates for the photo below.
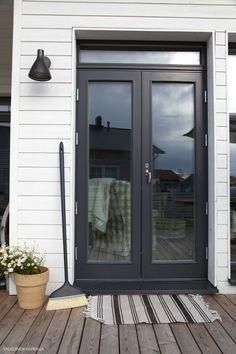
(148, 173)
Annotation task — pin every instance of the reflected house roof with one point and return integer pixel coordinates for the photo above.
(168, 175)
(190, 134)
(112, 139)
(232, 180)
(232, 188)
(189, 179)
(232, 128)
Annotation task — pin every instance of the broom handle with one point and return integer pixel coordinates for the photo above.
(63, 208)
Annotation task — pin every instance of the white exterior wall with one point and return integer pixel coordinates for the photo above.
(43, 113)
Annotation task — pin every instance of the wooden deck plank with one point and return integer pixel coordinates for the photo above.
(166, 339)
(147, 339)
(60, 331)
(91, 337)
(8, 322)
(203, 338)
(19, 331)
(73, 333)
(128, 339)
(227, 322)
(52, 339)
(3, 295)
(214, 305)
(109, 339)
(221, 337)
(6, 305)
(227, 305)
(184, 339)
(37, 331)
(232, 298)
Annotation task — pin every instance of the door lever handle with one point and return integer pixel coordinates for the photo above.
(148, 173)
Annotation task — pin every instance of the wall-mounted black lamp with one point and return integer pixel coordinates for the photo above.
(40, 69)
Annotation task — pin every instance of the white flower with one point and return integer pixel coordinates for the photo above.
(10, 270)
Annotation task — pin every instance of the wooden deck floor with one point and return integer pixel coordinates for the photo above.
(68, 332)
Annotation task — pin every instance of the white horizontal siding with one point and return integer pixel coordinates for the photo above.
(123, 22)
(45, 103)
(45, 109)
(53, 131)
(59, 76)
(222, 202)
(55, 275)
(37, 174)
(53, 260)
(42, 188)
(222, 147)
(222, 190)
(41, 160)
(54, 48)
(127, 10)
(41, 202)
(57, 62)
(48, 246)
(220, 78)
(192, 2)
(41, 90)
(42, 232)
(222, 158)
(221, 161)
(42, 145)
(222, 260)
(40, 217)
(44, 35)
(221, 132)
(47, 118)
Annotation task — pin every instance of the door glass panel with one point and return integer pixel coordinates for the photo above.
(232, 110)
(173, 171)
(109, 185)
(233, 186)
(4, 163)
(139, 57)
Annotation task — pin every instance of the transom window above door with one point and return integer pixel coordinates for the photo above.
(147, 54)
(139, 57)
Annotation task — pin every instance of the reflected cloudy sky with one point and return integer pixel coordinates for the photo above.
(232, 83)
(172, 117)
(139, 57)
(232, 107)
(112, 101)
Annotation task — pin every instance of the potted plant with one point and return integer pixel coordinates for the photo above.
(30, 276)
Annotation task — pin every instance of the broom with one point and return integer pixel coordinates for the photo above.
(67, 296)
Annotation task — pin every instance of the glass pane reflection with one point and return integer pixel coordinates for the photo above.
(4, 163)
(232, 82)
(233, 186)
(173, 171)
(139, 57)
(109, 200)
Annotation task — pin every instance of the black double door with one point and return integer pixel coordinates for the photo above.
(141, 176)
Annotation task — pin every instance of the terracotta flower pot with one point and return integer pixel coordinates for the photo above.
(31, 289)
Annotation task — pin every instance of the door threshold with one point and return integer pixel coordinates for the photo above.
(104, 286)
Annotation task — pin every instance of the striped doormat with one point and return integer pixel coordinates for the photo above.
(131, 309)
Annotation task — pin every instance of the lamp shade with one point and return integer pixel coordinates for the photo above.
(40, 69)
